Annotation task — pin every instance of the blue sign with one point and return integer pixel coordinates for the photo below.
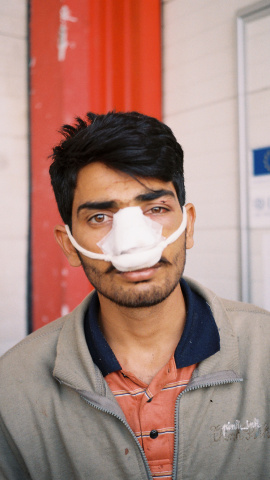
(261, 161)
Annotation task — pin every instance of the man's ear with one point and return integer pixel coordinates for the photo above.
(191, 217)
(66, 245)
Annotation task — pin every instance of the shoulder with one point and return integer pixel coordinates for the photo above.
(26, 372)
(244, 323)
(246, 310)
(37, 352)
(238, 313)
(37, 348)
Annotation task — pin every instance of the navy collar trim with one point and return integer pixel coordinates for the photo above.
(200, 338)
(99, 349)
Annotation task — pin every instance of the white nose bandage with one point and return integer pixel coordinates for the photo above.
(134, 242)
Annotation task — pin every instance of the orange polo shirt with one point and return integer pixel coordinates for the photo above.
(149, 410)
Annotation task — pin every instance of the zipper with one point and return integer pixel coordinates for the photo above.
(148, 471)
(176, 416)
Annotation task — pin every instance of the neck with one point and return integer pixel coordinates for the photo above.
(144, 339)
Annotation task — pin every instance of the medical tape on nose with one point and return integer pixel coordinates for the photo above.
(136, 258)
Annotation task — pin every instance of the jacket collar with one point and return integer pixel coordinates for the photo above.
(200, 338)
(74, 366)
(227, 359)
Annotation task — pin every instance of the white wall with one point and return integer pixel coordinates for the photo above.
(258, 136)
(200, 105)
(13, 171)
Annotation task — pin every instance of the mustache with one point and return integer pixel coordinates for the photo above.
(163, 260)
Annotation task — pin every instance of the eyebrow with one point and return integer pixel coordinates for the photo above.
(97, 205)
(144, 197)
(154, 194)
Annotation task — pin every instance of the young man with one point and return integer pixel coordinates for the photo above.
(152, 376)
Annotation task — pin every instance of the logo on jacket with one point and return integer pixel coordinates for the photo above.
(237, 430)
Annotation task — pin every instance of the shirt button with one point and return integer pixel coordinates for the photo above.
(153, 434)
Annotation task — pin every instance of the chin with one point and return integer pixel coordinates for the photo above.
(139, 299)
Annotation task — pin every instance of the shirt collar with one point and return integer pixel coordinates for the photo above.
(200, 338)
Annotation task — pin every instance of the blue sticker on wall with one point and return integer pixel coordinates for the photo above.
(261, 161)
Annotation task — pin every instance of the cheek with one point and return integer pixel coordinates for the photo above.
(94, 267)
(170, 225)
(175, 250)
(180, 243)
(88, 239)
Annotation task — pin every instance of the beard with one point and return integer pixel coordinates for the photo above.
(141, 294)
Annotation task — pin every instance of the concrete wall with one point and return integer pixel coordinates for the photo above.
(13, 171)
(200, 105)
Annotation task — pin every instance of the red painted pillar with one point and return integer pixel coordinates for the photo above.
(91, 55)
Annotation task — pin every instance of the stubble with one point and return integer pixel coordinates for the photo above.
(138, 294)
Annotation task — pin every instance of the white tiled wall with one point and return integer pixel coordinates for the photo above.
(13, 171)
(200, 105)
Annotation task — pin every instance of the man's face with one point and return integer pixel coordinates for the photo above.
(100, 192)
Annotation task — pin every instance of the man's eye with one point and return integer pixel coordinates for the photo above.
(157, 210)
(99, 218)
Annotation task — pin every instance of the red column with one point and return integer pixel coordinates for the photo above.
(86, 55)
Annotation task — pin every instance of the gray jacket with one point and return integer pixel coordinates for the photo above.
(59, 419)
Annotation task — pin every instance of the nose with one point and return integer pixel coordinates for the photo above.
(132, 230)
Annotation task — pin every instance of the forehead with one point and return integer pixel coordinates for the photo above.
(98, 182)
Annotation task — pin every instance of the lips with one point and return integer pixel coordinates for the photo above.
(139, 275)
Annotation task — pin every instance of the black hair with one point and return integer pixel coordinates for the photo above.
(131, 142)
